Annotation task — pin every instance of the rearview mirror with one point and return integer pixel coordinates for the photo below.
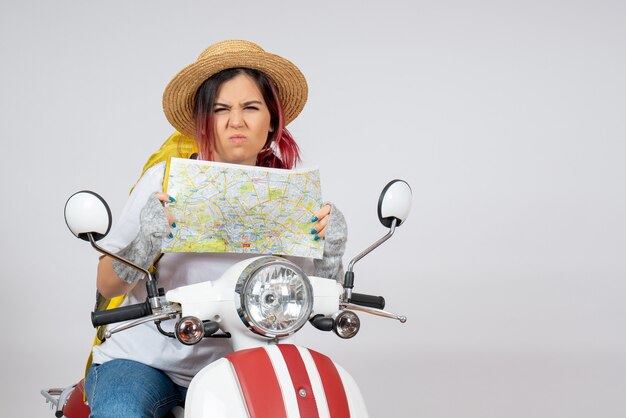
(86, 212)
(394, 203)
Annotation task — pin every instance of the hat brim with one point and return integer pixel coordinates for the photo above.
(178, 97)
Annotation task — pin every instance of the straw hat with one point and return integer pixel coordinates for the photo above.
(178, 97)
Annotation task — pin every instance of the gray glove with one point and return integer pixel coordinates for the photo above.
(331, 265)
(143, 250)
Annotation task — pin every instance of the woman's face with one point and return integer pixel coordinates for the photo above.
(241, 121)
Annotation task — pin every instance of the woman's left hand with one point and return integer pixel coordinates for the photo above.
(320, 221)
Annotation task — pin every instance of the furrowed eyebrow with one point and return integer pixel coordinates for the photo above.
(253, 102)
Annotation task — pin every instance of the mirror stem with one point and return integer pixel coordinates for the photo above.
(349, 278)
(151, 286)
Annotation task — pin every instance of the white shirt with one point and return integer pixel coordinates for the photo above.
(144, 343)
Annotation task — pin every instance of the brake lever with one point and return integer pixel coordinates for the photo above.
(166, 313)
(374, 311)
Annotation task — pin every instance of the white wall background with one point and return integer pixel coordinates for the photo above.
(506, 117)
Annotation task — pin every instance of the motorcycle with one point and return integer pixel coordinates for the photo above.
(260, 304)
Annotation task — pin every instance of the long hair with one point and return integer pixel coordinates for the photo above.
(280, 149)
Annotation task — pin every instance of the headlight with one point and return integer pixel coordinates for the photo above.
(274, 297)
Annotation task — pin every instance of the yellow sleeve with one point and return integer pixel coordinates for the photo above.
(177, 145)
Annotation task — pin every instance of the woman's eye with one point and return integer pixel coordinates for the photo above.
(251, 108)
(220, 110)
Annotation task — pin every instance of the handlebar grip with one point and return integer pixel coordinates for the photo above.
(124, 313)
(370, 301)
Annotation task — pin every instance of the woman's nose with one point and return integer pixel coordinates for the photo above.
(236, 119)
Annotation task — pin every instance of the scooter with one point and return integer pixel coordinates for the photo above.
(260, 304)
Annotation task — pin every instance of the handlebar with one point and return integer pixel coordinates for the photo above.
(377, 302)
(124, 313)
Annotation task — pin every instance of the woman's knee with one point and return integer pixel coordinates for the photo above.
(125, 388)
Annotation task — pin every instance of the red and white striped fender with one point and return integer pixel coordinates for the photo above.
(276, 381)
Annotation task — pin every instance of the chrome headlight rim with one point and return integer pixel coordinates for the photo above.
(240, 294)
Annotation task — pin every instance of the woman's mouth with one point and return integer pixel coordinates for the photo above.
(238, 139)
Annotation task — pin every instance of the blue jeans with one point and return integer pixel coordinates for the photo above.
(128, 389)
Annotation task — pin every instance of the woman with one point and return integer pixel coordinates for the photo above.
(235, 102)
